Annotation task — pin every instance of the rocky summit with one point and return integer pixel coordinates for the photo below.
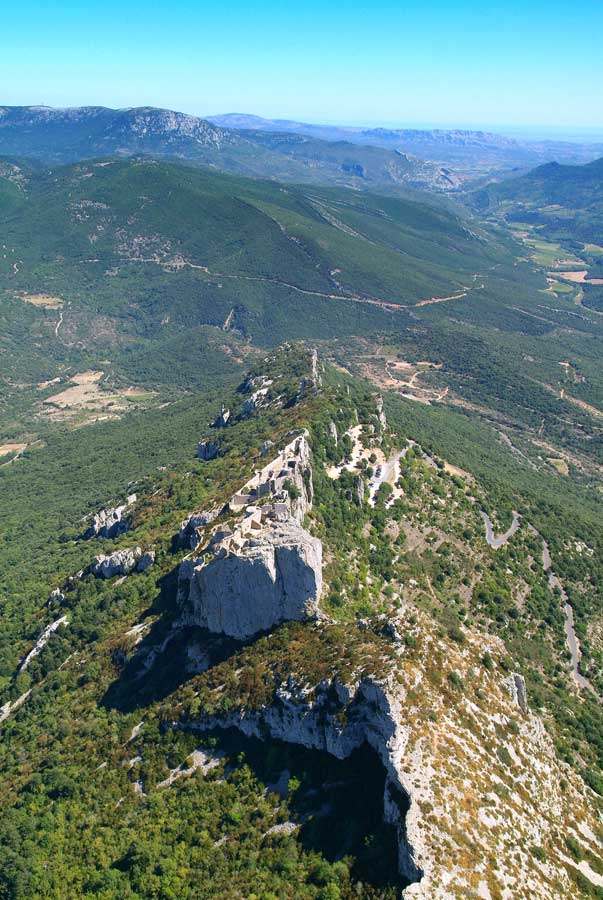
(345, 640)
(266, 568)
(267, 572)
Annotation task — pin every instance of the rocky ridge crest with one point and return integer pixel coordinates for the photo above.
(266, 568)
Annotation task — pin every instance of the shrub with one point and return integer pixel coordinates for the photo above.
(456, 681)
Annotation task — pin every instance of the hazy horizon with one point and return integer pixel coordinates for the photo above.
(529, 132)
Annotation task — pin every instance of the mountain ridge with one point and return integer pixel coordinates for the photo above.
(462, 148)
(59, 136)
(565, 202)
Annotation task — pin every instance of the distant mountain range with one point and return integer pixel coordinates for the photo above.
(473, 150)
(378, 159)
(68, 135)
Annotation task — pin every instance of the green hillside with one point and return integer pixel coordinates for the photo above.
(89, 809)
(139, 258)
(133, 296)
(564, 202)
(162, 279)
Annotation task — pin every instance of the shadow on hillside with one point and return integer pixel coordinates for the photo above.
(166, 657)
(335, 806)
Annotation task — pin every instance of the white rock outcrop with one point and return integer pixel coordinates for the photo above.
(111, 522)
(56, 598)
(119, 563)
(267, 568)
(311, 382)
(380, 413)
(146, 561)
(338, 719)
(42, 641)
(249, 584)
(222, 419)
(259, 398)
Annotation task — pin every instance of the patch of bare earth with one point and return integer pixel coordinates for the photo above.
(431, 300)
(582, 464)
(86, 397)
(559, 464)
(571, 372)
(454, 470)
(579, 277)
(563, 395)
(42, 385)
(405, 378)
(5, 449)
(45, 301)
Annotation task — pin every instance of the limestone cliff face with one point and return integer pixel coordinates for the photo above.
(267, 568)
(380, 414)
(191, 527)
(273, 577)
(121, 562)
(473, 782)
(338, 719)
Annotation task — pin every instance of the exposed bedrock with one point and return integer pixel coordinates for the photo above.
(121, 562)
(118, 563)
(222, 419)
(265, 567)
(191, 528)
(111, 522)
(289, 473)
(380, 414)
(338, 719)
(518, 691)
(208, 450)
(253, 583)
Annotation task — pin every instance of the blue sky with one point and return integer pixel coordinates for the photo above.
(525, 64)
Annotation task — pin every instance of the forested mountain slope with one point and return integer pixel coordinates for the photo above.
(130, 282)
(566, 200)
(400, 748)
(558, 212)
(148, 271)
